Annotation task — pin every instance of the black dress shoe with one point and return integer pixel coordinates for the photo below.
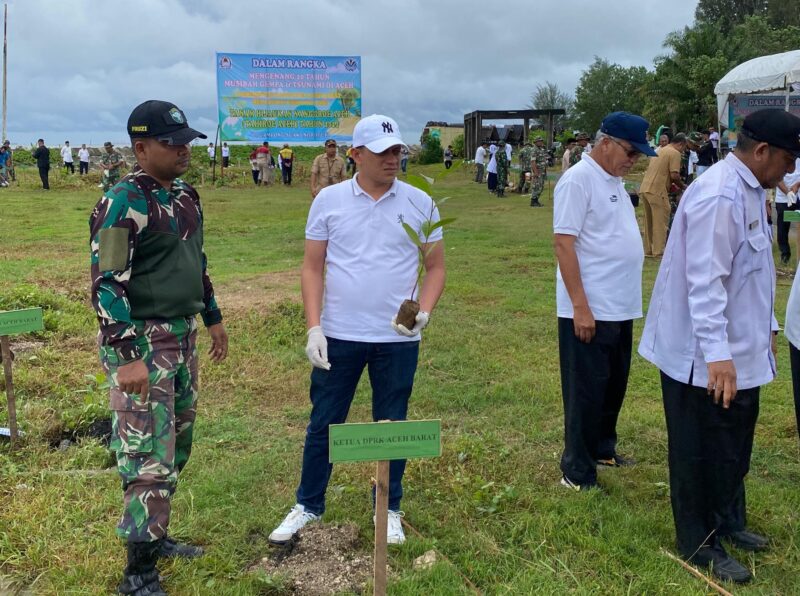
(748, 540)
(722, 565)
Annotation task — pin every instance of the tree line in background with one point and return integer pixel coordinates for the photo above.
(679, 91)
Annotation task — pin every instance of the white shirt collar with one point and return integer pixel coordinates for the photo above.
(744, 172)
(606, 176)
(357, 190)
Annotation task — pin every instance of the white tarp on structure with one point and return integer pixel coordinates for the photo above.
(774, 73)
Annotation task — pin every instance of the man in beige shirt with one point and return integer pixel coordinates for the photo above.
(327, 169)
(662, 172)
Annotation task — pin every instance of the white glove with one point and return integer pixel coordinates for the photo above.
(791, 198)
(317, 348)
(422, 320)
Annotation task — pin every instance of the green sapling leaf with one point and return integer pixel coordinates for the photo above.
(412, 233)
(420, 182)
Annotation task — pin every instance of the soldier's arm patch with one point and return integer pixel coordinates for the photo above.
(113, 249)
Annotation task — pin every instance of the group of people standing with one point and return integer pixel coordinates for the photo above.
(149, 282)
(263, 164)
(111, 162)
(710, 328)
(533, 162)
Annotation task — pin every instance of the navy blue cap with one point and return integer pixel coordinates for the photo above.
(628, 127)
(776, 127)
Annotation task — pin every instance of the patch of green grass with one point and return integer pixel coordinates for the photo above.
(488, 367)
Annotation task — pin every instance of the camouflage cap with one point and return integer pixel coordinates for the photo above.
(538, 140)
(108, 144)
(582, 136)
(695, 137)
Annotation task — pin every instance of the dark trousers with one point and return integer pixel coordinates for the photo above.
(479, 172)
(783, 231)
(491, 181)
(709, 456)
(287, 174)
(794, 357)
(44, 173)
(83, 167)
(255, 176)
(69, 166)
(448, 165)
(594, 377)
(391, 368)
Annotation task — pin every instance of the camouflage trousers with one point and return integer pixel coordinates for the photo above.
(152, 435)
(502, 178)
(109, 181)
(537, 186)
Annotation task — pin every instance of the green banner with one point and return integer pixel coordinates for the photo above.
(377, 441)
(13, 322)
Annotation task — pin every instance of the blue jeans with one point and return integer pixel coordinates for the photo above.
(391, 368)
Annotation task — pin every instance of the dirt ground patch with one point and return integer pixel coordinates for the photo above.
(323, 559)
(259, 292)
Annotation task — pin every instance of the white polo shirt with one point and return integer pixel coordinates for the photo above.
(480, 155)
(788, 180)
(713, 297)
(592, 205)
(83, 155)
(371, 263)
(66, 154)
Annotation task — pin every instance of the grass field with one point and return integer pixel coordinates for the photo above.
(488, 368)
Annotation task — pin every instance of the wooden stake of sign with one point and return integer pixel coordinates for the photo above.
(381, 525)
(13, 322)
(382, 442)
(12, 405)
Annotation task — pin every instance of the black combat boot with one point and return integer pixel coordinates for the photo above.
(141, 576)
(169, 547)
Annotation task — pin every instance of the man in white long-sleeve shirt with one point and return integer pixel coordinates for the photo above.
(710, 329)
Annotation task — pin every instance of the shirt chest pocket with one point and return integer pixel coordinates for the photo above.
(757, 253)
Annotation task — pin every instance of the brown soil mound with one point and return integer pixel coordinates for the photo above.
(323, 559)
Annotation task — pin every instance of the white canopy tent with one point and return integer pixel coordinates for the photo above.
(769, 75)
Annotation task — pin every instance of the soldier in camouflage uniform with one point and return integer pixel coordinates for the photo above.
(149, 280)
(538, 165)
(110, 161)
(577, 151)
(525, 167)
(502, 168)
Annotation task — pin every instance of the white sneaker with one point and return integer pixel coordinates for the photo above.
(297, 518)
(394, 528)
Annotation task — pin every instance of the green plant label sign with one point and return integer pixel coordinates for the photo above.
(13, 322)
(377, 441)
(791, 216)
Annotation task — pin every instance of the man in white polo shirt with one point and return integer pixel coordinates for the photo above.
(598, 294)
(66, 157)
(711, 329)
(358, 252)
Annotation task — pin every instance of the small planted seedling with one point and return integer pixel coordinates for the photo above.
(407, 315)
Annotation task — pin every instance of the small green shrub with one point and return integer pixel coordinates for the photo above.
(432, 151)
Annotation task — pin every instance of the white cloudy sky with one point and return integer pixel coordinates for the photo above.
(77, 67)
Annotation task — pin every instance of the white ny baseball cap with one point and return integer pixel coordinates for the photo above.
(377, 133)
